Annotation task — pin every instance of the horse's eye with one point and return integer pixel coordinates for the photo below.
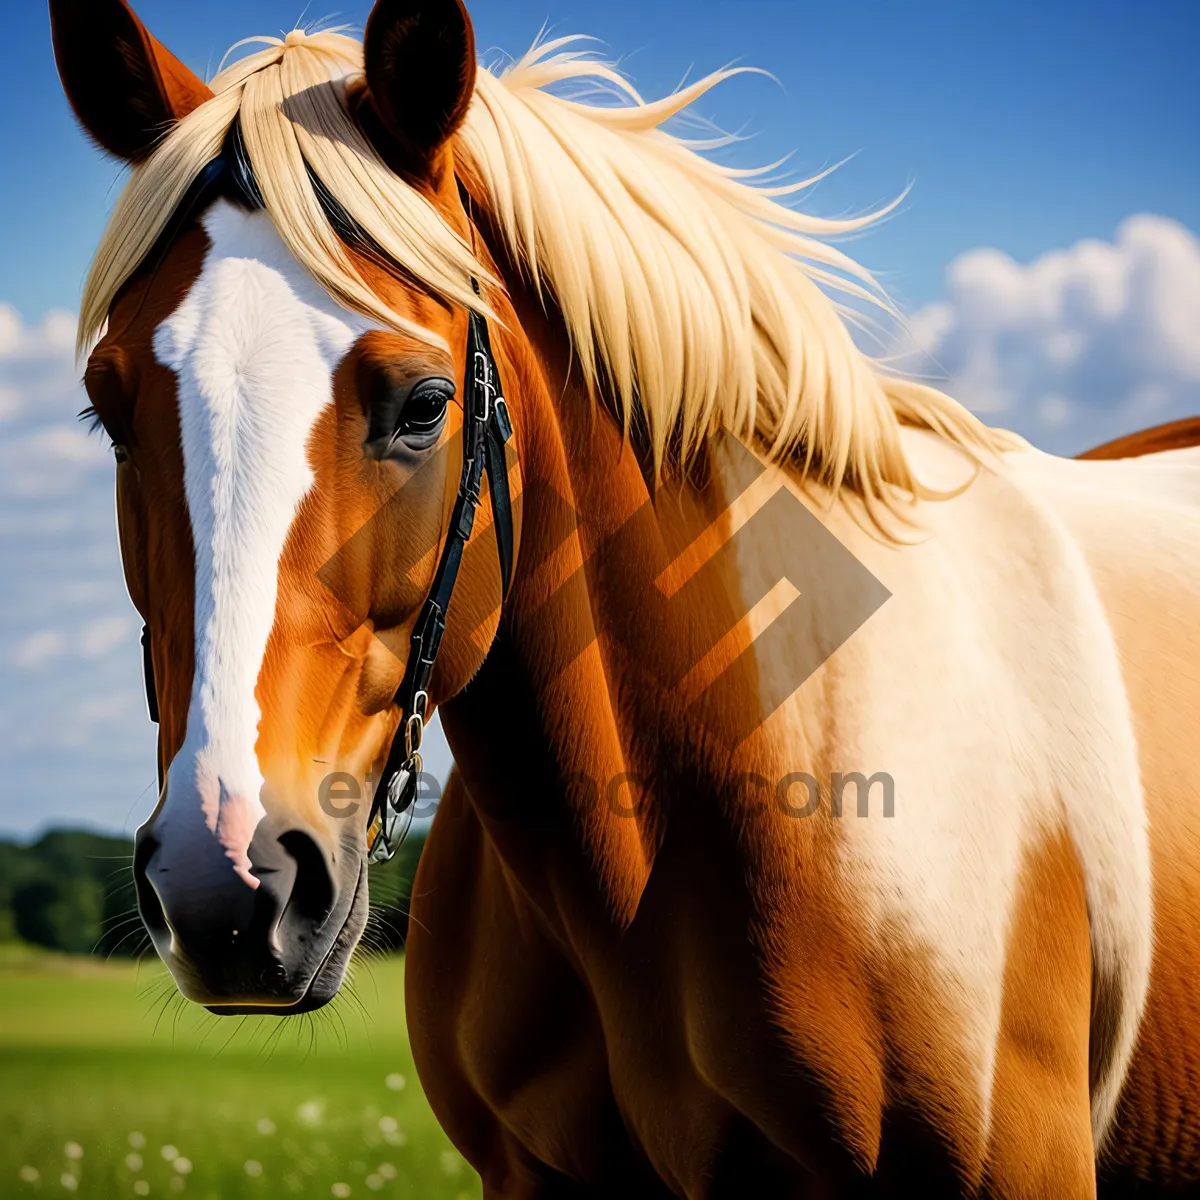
(403, 414)
(424, 411)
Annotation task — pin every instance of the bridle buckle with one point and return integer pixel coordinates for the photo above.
(485, 380)
(414, 729)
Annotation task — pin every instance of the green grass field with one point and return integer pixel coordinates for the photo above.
(111, 1086)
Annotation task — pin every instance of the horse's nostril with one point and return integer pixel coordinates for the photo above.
(149, 905)
(313, 891)
(274, 976)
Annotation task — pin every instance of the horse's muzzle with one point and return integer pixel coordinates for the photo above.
(274, 938)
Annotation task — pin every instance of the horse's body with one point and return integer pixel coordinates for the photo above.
(657, 947)
(1174, 435)
(1138, 523)
(920, 988)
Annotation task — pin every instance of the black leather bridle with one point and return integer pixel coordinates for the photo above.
(486, 430)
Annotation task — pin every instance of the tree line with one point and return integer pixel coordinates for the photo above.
(72, 891)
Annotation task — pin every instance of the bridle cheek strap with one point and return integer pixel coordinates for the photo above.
(151, 696)
(486, 430)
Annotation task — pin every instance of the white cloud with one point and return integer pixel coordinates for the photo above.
(54, 337)
(100, 715)
(44, 450)
(38, 649)
(1078, 346)
(11, 328)
(99, 637)
(39, 378)
(51, 461)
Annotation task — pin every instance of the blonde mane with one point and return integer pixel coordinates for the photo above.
(693, 296)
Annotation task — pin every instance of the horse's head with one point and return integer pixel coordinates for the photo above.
(286, 463)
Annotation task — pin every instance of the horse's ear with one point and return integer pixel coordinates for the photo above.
(420, 67)
(125, 87)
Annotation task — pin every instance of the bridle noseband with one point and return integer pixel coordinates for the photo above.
(486, 431)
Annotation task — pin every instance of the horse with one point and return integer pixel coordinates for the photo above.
(721, 568)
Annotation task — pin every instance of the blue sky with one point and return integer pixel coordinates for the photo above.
(1047, 253)
(1024, 125)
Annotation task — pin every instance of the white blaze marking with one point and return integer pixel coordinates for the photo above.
(254, 346)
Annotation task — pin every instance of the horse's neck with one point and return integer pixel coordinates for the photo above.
(615, 687)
